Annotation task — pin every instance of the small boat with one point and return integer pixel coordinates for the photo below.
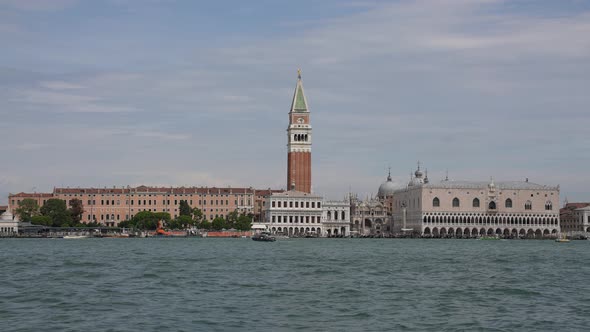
(562, 239)
(489, 238)
(264, 237)
(75, 236)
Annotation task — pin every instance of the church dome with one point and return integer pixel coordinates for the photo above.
(386, 188)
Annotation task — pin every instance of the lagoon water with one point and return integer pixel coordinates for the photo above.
(201, 284)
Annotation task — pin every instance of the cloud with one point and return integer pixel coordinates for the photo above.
(64, 102)
(478, 87)
(60, 85)
(38, 5)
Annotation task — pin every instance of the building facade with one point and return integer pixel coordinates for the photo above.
(369, 217)
(294, 213)
(472, 209)
(109, 206)
(300, 214)
(299, 142)
(335, 218)
(575, 218)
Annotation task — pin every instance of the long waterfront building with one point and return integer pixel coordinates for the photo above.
(109, 206)
(475, 208)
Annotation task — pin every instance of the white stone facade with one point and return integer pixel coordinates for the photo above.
(296, 213)
(336, 218)
(472, 209)
(293, 213)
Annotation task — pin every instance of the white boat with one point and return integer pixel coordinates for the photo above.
(75, 236)
(562, 239)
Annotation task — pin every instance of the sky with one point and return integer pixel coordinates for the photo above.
(197, 93)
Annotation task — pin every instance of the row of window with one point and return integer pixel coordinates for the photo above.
(296, 204)
(295, 219)
(150, 195)
(164, 202)
(335, 215)
(492, 205)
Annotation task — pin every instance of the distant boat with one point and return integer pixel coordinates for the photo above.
(562, 239)
(264, 237)
(75, 236)
(490, 238)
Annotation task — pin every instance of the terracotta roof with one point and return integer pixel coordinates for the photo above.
(573, 206)
(169, 190)
(31, 195)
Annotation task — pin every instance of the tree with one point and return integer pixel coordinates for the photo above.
(218, 224)
(184, 208)
(76, 210)
(197, 215)
(181, 222)
(56, 210)
(27, 209)
(205, 225)
(42, 220)
(148, 220)
(244, 222)
(232, 219)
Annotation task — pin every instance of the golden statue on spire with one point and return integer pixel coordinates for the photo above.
(299, 73)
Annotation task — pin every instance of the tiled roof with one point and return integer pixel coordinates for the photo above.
(31, 195)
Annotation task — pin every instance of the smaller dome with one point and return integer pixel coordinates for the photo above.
(386, 188)
(7, 216)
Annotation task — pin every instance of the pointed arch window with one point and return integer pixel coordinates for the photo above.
(456, 202)
(508, 203)
(548, 205)
(528, 205)
(436, 202)
(476, 202)
(492, 205)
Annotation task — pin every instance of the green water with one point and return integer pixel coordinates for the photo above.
(195, 284)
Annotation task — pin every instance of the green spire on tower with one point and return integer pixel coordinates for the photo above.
(299, 101)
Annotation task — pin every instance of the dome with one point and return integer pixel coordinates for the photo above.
(7, 216)
(386, 188)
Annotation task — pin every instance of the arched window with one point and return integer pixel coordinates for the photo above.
(528, 205)
(329, 215)
(548, 206)
(343, 215)
(436, 202)
(492, 205)
(508, 203)
(335, 215)
(456, 202)
(476, 202)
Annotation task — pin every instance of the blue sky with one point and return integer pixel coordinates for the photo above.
(164, 92)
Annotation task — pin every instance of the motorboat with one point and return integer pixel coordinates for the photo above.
(75, 236)
(562, 239)
(264, 237)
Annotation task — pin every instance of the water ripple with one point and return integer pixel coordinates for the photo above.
(298, 284)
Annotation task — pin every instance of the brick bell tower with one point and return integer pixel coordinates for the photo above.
(299, 142)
